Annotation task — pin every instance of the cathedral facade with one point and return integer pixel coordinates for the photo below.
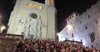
(33, 19)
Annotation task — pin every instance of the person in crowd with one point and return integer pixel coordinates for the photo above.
(29, 45)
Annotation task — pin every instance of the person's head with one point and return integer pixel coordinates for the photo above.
(48, 50)
(54, 50)
(62, 47)
(26, 45)
(79, 50)
(66, 47)
(52, 46)
(22, 41)
(78, 47)
(98, 50)
(87, 49)
(69, 50)
(23, 46)
(47, 47)
(94, 50)
(41, 47)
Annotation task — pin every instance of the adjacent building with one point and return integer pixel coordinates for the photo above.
(85, 27)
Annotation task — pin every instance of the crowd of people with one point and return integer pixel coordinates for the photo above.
(29, 45)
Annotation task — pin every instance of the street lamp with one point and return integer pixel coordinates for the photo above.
(2, 28)
(58, 34)
(69, 27)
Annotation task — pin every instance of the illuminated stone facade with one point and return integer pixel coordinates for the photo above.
(86, 26)
(33, 19)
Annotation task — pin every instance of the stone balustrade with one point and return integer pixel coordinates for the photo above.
(8, 42)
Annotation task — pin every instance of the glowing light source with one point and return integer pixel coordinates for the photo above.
(69, 27)
(58, 34)
(48, 2)
(2, 28)
(51, 1)
(61, 37)
(36, 6)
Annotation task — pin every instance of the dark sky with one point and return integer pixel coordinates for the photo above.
(64, 9)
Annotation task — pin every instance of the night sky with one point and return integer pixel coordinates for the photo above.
(64, 9)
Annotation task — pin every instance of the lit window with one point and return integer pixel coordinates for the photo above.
(29, 4)
(33, 5)
(36, 6)
(40, 7)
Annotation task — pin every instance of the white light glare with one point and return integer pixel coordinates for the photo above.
(2, 28)
(58, 34)
(61, 37)
(69, 27)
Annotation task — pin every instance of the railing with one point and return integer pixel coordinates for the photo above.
(74, 42)
(12, 36)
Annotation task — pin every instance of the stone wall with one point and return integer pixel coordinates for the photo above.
(85, 26)
(9, 42)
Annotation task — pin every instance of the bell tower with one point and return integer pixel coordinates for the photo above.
(49, 2)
